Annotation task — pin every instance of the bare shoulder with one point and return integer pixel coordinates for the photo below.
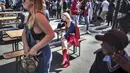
(40, 15)
(41, 21)
(40, 18)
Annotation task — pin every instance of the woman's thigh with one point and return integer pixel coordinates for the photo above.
(64, 43)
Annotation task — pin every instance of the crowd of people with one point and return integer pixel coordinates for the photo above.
(111, 58)
(13, 4)
(88, 10)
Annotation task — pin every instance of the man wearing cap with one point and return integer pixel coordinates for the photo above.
(107, 58)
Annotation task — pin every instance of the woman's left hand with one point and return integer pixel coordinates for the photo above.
(33, 52)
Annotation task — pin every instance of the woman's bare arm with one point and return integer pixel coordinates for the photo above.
(24, 40)
(46, 28)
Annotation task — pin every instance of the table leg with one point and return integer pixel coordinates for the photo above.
(74, 51)
(1, 34)
(17, 58)
(57, 36)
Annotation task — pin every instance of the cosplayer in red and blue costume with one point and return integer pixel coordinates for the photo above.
(69, 38)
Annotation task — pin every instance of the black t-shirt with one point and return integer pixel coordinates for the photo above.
(125, 7)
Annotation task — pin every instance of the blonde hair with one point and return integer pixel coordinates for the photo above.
(68, 17)
(38, 7)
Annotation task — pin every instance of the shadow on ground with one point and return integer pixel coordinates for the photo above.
(55, 67)
(102, 27)
(94, 42)
(56, 62)
(8, 68)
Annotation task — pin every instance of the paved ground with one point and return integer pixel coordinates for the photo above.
(80, 64)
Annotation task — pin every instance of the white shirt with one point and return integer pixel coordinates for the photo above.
(91, 5)
(105, 5)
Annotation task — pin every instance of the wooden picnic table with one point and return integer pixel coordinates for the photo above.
(59, 32)
(9, 9)
(12, 12)
(8, 18)
(15, 33)
(18, 33)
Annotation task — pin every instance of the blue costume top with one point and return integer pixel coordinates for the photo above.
(70, 30)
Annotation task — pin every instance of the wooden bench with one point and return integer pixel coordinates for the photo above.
(6, 28)
(55, 44)
(75, 48)
(4, 37)
(9, 9)
(14, 54)
(3, 34)
(8, 18)
(9, 40)
(11, 12)
(11, 23)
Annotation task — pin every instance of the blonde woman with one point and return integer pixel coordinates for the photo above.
(37, 34)
(69, 38)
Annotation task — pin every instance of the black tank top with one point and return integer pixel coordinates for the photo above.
(37, 36)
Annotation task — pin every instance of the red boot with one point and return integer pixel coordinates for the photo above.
(64, 53)
(65, 62)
